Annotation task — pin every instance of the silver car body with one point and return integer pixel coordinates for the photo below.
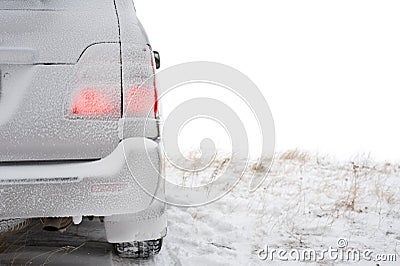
(57, 158)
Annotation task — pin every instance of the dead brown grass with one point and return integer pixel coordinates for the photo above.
(295, 155)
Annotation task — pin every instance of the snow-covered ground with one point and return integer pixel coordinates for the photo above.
(307, 202)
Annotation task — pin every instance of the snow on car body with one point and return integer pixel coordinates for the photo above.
(79, 131)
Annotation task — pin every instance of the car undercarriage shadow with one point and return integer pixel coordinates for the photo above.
(78, 245)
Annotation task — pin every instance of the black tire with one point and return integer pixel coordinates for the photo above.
(139, 250)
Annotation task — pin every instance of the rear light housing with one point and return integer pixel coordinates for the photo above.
(97, 90)
(141, 100)
(96, 85)
(140, 90)
(94, 102)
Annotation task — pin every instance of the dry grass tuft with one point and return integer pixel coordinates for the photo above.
(295, 155)
(258, 167)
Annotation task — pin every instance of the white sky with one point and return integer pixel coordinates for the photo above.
(330, 70)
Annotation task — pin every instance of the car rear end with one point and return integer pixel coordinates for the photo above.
(78, 114)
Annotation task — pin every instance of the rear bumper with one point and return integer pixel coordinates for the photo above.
(122, 183)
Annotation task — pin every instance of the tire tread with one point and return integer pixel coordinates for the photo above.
(139, 249)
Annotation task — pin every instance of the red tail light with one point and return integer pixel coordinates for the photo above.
(141, 100)
(139, 83)
(92, 102)
(156, 100)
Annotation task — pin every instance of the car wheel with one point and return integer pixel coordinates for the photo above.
(139, 249)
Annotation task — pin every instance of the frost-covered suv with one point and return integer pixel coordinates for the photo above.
(79, 131)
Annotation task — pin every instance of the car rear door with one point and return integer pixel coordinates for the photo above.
(55, 56)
